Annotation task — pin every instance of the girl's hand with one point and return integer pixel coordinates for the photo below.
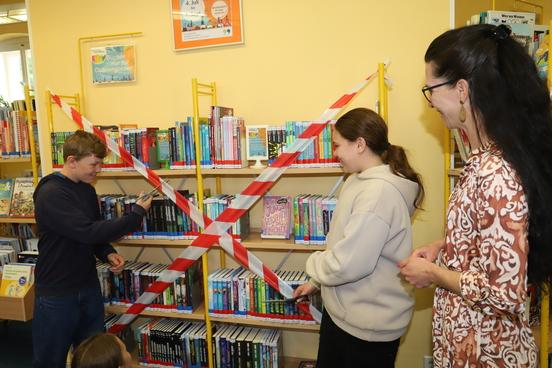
(303, 290)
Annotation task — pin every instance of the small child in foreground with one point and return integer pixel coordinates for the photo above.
(101, 351)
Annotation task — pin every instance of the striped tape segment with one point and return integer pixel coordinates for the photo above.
(215, 231)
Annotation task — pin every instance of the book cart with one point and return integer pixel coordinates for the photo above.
(452, 171)
(253, 242)
(16, 308)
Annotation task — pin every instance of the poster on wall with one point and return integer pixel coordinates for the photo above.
(113, 64)
(205, 23)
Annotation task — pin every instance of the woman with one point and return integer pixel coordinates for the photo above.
(498, 230)
(367, 307)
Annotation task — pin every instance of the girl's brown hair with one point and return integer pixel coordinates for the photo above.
(365, 123)
(99, 351)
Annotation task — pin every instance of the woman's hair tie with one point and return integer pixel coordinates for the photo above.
(502, 32)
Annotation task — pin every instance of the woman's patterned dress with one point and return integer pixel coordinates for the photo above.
(486, 240)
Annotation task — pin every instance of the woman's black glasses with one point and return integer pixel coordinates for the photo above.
(426, 90)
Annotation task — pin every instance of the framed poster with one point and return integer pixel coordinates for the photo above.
(113, 64)
(205, 23)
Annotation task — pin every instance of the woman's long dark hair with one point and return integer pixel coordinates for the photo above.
(512, 104)
(365, 123)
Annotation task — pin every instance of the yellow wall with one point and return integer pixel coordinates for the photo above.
(298, 57)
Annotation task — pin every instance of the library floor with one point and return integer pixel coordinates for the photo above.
(16, 348)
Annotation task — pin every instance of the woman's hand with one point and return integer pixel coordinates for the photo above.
(430, 251)
(418, 271)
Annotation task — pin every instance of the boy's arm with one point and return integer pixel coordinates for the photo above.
(56, 210)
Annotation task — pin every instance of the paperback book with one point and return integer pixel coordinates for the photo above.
(277, 217)
(17, 278)
(22, 199)
(6, 187)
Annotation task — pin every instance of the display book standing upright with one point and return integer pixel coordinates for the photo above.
(21, 308)
(457, 151)
(254, 243)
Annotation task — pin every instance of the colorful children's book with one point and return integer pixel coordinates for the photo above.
(22, 198)
(17, 278)
(277, 217)
(6, 187)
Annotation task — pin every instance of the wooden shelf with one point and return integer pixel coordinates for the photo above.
(291, 171)
(289, 362)
(18, 220)
(135, 174)
(15, 160)
(224, 172)
(253, 241)
(198, 314)
(267, 324)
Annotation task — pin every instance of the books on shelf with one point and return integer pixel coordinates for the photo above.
(183, 296)
(14, 134)
(178, 343)
(238, 293)
(6, 189)
(312, 215)
(221, 139)
(28, 256)
(276, 217)
(166, 342)
(17, 279)
(165, 220)
(22, 204)
(542, 49)
(522, 24)
(8, 254)
(242, 346)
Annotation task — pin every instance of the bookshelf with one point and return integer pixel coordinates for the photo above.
(17, 220)
(215, 178)
(14, 308)
(15, 160)
(253, 241)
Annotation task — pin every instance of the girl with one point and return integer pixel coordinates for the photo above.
(367, 307)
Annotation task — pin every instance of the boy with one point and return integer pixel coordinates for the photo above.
(68, 304)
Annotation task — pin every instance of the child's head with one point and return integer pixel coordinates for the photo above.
(361, 130)
(83, 144)
(83, 153)
(366, 124)
(101, 351)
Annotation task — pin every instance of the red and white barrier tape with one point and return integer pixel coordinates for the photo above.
(215, 231)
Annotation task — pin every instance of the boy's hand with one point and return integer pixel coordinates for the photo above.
(116, 261)
(144, 201)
